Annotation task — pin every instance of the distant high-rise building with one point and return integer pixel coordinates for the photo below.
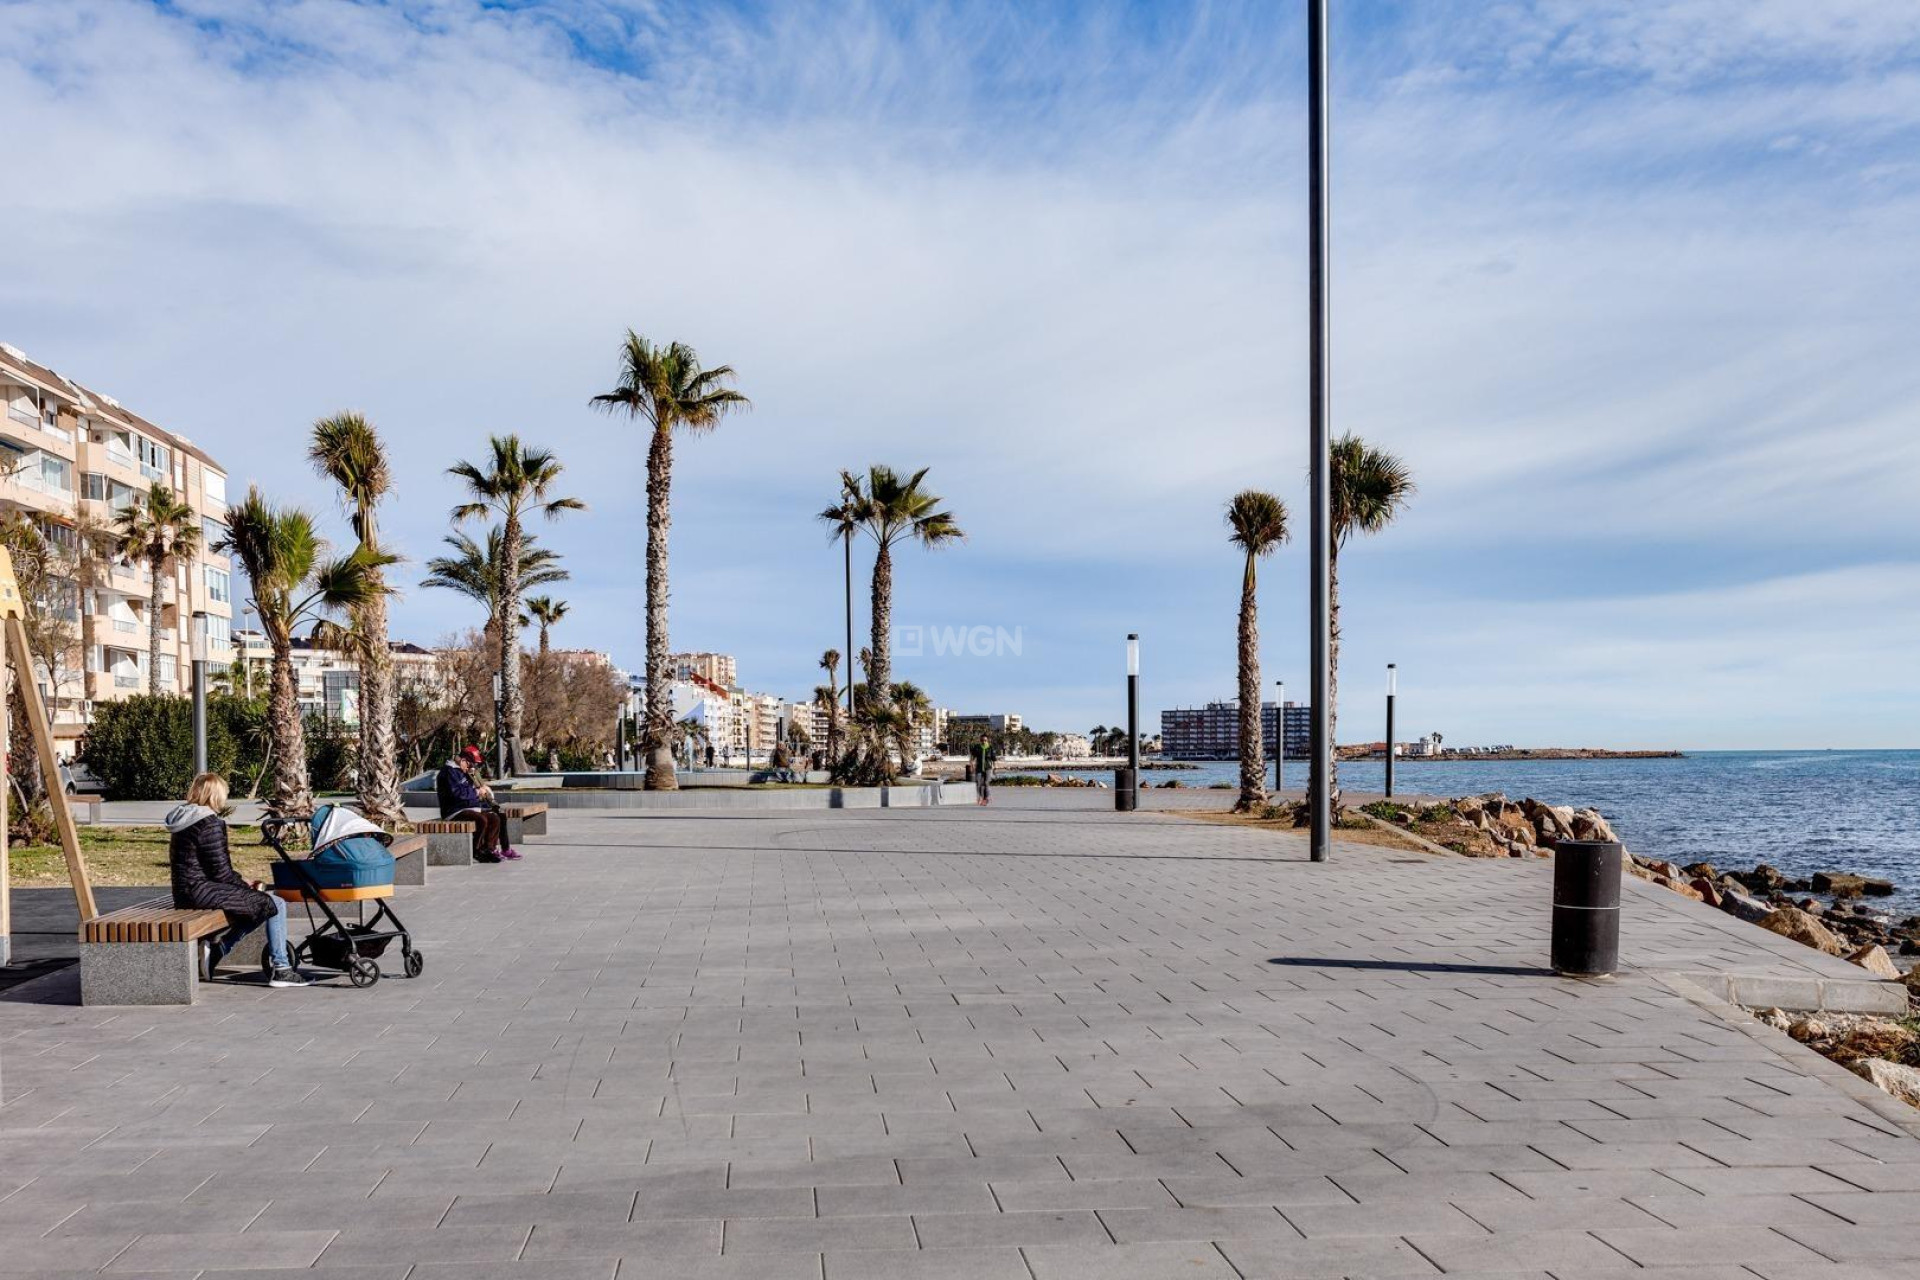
(1212, 732)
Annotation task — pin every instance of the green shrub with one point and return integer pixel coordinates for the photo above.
(1385, 810)
(141, 748)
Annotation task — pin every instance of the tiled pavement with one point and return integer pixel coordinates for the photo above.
(908, 1044)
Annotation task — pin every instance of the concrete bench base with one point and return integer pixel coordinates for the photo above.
(523, 820)
(410, 865)
(449, 844)
(138, 973)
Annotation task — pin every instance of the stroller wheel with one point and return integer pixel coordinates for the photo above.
(363, 972)
(416, 961)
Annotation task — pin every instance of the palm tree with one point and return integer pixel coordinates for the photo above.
(546, 611)
(348, 451)
(281, 552)
(830, 663)
(1258, 524)
(515, 484)
(665, 386)
(94, 544)
(843, 518)
(1368, 488)
(891, 510)
(911, 708)
(475, 571)
(156, 527)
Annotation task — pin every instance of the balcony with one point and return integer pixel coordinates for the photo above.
(122, 624)
(125, 682)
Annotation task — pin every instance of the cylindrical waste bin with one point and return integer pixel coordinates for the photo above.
(1586, 907)
(1125, 789)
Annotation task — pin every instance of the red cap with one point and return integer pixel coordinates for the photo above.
(473, 754)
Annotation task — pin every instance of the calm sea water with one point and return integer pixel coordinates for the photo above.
(1802, 811)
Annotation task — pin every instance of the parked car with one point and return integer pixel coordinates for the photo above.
(76, 778)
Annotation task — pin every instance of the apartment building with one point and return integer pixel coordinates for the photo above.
(328, 680)
(1212, 732)
(70, 454)
(718, 668)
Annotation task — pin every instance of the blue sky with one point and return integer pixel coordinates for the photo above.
(1632, 286)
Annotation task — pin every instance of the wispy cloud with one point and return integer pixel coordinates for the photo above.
(1629, 284)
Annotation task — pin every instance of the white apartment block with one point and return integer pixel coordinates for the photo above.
(69, 453)
(328, 680)
(1071, 746)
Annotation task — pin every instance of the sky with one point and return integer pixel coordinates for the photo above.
(1632, 286)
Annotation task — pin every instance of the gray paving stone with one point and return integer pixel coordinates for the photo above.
(193, 1251)
(995, 1021)
(931, 1264)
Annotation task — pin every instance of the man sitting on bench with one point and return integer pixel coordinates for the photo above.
(463, 799)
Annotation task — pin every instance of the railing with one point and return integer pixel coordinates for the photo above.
(121, 624)
(126, 682)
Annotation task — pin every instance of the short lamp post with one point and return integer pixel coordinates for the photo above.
(1126, 791)
(199, 642)
(1280, 738)
(1393, 673)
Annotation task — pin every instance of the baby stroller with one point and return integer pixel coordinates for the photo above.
(349, 862)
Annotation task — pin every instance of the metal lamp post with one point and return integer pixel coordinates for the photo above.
(1320, 784)
(1126, 790)
(1393, 673)
(199, 641)
(499, 727)
(1280, 739)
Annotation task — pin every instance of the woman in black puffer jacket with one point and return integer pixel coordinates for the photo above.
(203, 877)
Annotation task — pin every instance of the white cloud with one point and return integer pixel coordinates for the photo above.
(1060, 263)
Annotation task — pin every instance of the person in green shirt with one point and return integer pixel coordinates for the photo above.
(983, 757)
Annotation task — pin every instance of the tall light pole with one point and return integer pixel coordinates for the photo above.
(1126, 792)
(1320, 783)
(850, 654)
(499, 727)
(1280, 738)
(199, 643)
(1393, 673)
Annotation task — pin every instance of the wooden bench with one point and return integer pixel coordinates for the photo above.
(449, 841)
(90, 803)
(409, 859)
(524, 820)
(148, 953)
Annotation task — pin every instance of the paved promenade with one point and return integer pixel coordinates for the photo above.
(1017, 1043)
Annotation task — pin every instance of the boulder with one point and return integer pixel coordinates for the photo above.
(1900, 1081)
(1840, 884)
(1808, 1030)
(1775, 1018)
(1877, 888)
(1680, 887)
(1764, 879)
(1708, 891)
(1791, 922)
(1552, 823)
(1666, 869)
(1703, 870)
(1912, 980)
(1748, 908)
(1877, 962)
(1587, 824)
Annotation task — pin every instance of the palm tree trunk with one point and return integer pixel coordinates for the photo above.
(659, 727)
(156, 563)
(515, 709)
(1253, 769)
(880, 670)
(379, 765)
(544, 648)
(291, 793)
(1333, 675)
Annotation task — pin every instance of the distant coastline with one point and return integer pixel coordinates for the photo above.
(1519, 753)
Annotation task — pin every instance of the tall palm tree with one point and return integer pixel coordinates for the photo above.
(157, 527)
(1257, 524)
(665, 386)
(830, 663)
(546, 611)
(94, 544)
(1367, 488)
(911, 708)
(475, 571)
(515, 483)
(892, 510)
(348, 451)
(843, 519)
(281, 552)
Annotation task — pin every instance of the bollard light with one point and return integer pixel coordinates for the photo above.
(1393, 681)
(1280, 738)
(1126, 782)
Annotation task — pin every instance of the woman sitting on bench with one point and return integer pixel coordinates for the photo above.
(203, 877)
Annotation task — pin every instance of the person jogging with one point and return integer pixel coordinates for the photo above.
(983, 756)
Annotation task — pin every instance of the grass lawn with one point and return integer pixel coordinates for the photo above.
(1355, 830)
(128, 856)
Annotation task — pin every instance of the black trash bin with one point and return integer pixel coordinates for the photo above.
(1586, 907)
(1126, 795)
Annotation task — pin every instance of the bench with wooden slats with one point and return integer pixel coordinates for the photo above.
(449, 841)
(529, 819)
(156, 920)
(447, 827)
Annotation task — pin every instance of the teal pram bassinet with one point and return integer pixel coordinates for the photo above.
(348, 853)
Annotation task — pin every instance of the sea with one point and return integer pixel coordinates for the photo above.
(1802, 811)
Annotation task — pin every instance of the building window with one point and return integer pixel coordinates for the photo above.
(94, 486)
(166, 668)
(214, 485)
(212, 532)
(219, 632)
(219, 585)
(156, 460)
